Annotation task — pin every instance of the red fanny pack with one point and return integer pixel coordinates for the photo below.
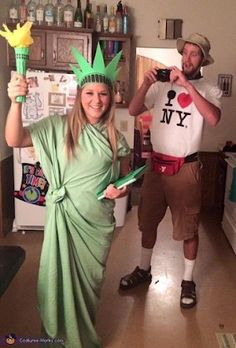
(165, 164)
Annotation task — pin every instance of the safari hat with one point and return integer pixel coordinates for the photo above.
(199, 40)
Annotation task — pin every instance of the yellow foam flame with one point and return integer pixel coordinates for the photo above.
(20, 37)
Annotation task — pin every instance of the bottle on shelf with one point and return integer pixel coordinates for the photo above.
(109, 49)
(120, 7)
(112, 21)
(13, 12)
(49, 11)
(118, 93)
(125, 20)
(68, 14)
(31, 11)
(105, 20)
(78, 18)
(119, 23)
(40, 13)
(22, 12)
(146, 145)
(59, 13)
(98, 20)
(88, 15)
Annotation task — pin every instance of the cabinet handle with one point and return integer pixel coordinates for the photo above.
(54, 56)
(42, 54)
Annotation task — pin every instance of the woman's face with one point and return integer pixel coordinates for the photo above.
(95, 100)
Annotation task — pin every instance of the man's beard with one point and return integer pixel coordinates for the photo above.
(194, 74)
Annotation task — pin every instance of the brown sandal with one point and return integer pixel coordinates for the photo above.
(138, 276)
(188, 291)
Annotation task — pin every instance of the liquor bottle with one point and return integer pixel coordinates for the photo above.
(146, 145)
(40, 13)
(118, 93)
(68, 14)
(59, 13)
(31, 11)
(119, 23)
(105, 20)
(49, 13)
(88, 16)
(98, 20)
(22, 12)
(112, 21)
(78, 18)
(125, 20)
(120, 7)
(13, 12)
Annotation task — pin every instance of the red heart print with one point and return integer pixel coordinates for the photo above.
(184, 100)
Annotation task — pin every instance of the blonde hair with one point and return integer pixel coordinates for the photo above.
(77, 119)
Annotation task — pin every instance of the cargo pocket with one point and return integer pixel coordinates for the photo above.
(192, 219)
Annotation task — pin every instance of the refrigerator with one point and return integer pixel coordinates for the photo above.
(50, 94)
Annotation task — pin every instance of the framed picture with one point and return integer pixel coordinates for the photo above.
(57, 99)
(225, 84)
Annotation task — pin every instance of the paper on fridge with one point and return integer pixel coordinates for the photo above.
(50, 94)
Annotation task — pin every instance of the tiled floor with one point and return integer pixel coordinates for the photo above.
(147, 317)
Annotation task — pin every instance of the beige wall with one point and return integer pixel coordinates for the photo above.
(214, 18)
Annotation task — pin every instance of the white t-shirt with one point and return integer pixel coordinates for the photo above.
(177, 125)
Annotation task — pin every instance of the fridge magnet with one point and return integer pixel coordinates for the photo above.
(56, 111)
(57, 99)
(34, 185)
(33, 108)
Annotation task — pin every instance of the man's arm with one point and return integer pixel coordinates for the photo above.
(209, 111)
(16, 135)
(137, 106)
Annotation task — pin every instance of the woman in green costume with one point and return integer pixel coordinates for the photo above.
(81, 154)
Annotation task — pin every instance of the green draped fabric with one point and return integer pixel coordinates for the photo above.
(78, 229)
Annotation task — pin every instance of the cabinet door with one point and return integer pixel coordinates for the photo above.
(59, 46)
(37, 56)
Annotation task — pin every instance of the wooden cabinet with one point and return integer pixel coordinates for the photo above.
(112, 44)
(59, 45)
(213, 181)
(51, 49)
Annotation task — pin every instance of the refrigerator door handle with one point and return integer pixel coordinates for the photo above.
(18, 155)
(54, 56)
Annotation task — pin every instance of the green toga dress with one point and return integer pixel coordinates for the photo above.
(78, 230)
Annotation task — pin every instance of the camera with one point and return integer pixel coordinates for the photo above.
(163, 75)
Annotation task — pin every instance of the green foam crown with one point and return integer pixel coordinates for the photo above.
(98, 72)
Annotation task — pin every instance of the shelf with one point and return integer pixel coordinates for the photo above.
(108, 36)
(55, 28)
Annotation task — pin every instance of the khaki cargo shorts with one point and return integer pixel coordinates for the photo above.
(180, 192)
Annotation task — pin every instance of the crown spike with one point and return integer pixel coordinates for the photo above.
(111, 68)
(98, 63)
(83, 63)
(99, 72)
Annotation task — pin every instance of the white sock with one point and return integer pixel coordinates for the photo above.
(146, 255)
(188, 275)
(188, 269)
